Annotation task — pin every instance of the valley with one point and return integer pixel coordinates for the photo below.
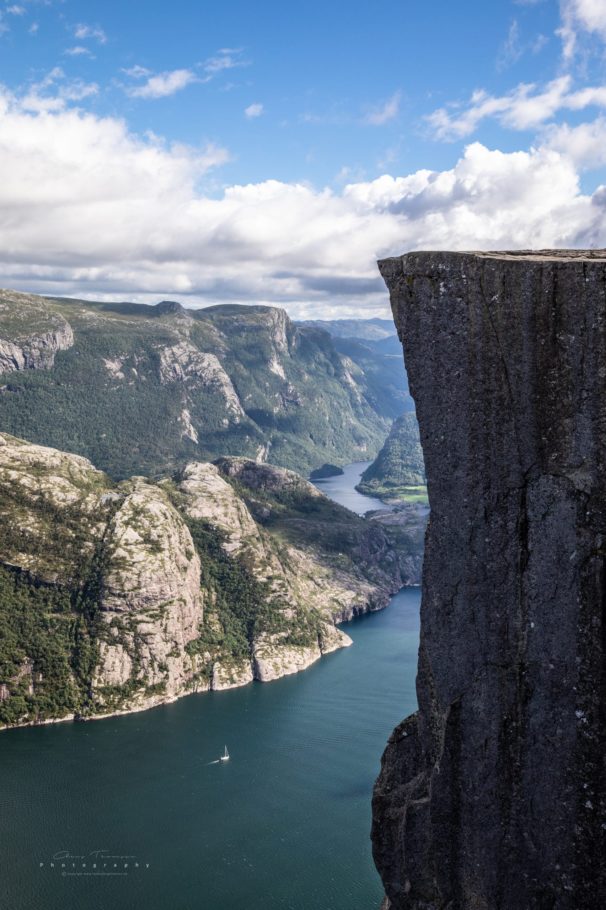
(142, 389)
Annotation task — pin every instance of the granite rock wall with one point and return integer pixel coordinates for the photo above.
(492, 796)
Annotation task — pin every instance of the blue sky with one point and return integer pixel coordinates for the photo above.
(253, 152)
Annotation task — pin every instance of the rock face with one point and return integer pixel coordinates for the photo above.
(492, 796)
(184, 363)
(151, 599)
(118, 597)
(31, 334)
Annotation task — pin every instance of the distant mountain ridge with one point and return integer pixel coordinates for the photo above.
(373, 329)
(143, 389)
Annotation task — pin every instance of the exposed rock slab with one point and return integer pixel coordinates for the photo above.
(151, 600)
(183, 362)
(119, 597)
(492, 797)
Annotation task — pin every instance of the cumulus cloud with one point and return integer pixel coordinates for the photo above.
(162, 84)
(526, 107)
(584, 144)
(377, 116)
(88, 208)
(253, 110)
(581, 16)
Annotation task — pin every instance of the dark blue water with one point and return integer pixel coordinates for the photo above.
(284, 824)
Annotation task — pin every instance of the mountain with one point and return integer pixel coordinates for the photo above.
(143, 389)
(367, 329)
(118, 596)
(374, 345)
(399, 465)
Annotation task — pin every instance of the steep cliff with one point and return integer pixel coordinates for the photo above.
(492, 796)
(118, 597)
(30, 334)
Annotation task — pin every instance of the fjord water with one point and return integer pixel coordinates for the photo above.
(342, 488)
(284, 824)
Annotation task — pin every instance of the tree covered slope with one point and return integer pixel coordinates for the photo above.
(144, 389)
(120, 596)
(398, 470)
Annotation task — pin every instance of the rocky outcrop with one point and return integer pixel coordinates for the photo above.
(32, 334)
(318, 553)
(65, 526)
(208, 496)
(299, 575)
(267, 478)
(492, 796)
(118, 597)
(185, 363)
(272, 660)
(151, 600)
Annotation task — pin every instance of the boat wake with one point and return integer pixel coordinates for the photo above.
(217, 761)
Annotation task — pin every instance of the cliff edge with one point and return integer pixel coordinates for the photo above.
(492, 796)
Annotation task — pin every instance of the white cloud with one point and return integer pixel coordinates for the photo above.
(524, 108)
(225, 59)
(512, 50)
(539, 43)
(253, 110)
(77, 51)
(83, 32)
(55, 91)
(584, 144)
(580, 16)
(15, 10)
(88, 208)
(34, 28)
(385, 112)
(137, 72)
(162, 84)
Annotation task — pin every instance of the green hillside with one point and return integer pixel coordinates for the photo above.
(398, 472)
(143, 389)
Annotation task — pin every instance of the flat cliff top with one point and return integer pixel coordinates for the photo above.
(520, 255)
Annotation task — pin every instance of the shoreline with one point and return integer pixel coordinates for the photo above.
(357, 612)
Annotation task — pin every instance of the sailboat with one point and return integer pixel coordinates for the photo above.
(225, 756)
